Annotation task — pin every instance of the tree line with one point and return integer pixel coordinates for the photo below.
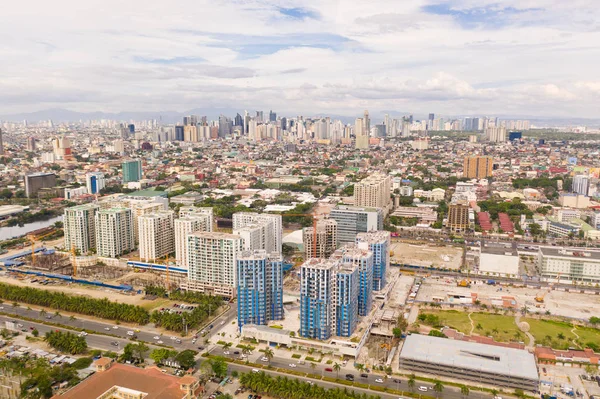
(292, 388)
(102, 308)
(66, 342)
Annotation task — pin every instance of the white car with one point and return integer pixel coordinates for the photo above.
(226, 353)
(83, 334)
(264, 359)
(423, 389)
(173, 338)
(497, 397)
(222, 323)
(159, 342)
(115, 327)
(130, 333)
(107, 328)
(292, 365)
(156, 337)
(379, 380)
(255, 370)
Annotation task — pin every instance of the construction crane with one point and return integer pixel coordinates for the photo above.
(33, 238)
(314, 217)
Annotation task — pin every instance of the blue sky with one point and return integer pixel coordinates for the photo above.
(489, 57)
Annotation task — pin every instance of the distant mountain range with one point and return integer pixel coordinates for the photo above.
(168, 117)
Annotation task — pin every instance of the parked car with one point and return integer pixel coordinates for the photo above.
(423, 389)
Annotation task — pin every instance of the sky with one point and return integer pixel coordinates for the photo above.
(302, 57)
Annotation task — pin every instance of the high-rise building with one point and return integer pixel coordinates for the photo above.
(326, 239)
(273, 230)
(114, 232)
(581, 184)
(317, 278)
(496, 134)
(132, 170)
(30, 143)
(478, 167)
(131, 128)
(94, 182)
(37, 181)
(179, 133)
(378, 242)
(352, 220)
(374, 192)
(202, 210)
(212, 259)
(259, 287)
(187, 225)
(458, 217)
(272, 116)
(254, 235)
(430, 122)
(345, 300)
(363, 259)
(80, 228)
(156, 235)
(1, 144)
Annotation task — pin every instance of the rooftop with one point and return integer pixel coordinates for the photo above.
(470, 355)
(570, 252)
(153, 382)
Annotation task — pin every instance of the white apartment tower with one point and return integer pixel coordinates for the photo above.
(374, 191)
(212, 259)
(187, 225)
(114, 232)
(254, 235)
(273, 231)
(80, 228)
(157, 235)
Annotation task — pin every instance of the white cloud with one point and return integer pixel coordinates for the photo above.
(113, 55)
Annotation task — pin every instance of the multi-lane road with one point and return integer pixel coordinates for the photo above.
(398, 383)
(109, 331)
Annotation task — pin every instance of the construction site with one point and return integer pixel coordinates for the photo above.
(426, 255)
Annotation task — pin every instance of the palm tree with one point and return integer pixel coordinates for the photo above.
(313, 366)
(269, 354)
(227, 345)
(438, 387)
(57, 314)
(337, 368)
(411, 382)
(494, 392)
(464, 390)
(72, 318)
(561, 336)
(494, 331)
(42, 312)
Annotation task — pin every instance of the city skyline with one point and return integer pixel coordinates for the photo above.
(451, 58)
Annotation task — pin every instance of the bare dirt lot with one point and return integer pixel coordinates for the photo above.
(445, 257)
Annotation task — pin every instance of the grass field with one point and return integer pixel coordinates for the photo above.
(546, 332)
(502, 328)
(454, 319)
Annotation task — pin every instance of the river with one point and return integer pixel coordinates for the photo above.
(6, 233)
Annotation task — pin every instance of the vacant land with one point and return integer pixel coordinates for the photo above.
(442, 257)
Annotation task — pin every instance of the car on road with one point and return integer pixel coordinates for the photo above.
(49, 317)
(107, 328)
(255, 370)
(264, 359)
(226, 352)
(397, 381)
(83, 334)
(114, 343)
(172, 338)
(178, 341)
(329, 369)
(130, 333)
(159, 342)
(301, 362)
(236, 352)
(222, 323)
(350, 377)
(156, 337)
(201, 348)
(115, 327)
(292, 365)
(379, 380)
(422, 388)
(497, 397)
(363, 375)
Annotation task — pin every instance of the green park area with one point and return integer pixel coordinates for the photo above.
(556, 334)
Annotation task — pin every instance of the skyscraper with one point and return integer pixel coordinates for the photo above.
(345, 301)
(259, 287)
(378, 242)
(179, 133)
(94, 182)
(478, 167)
(374, 191)
(458, 217)
(326, 239)
(272, 116)
(316, 294)
(114, 232)
(363, 259)
(581, 184)
(132, 170)
(185, 225)
(156, 235)
(212, 259)
(80, 228)
(273, 229)
(352, 220)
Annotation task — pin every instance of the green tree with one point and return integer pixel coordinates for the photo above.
(161, 354)
(464, 390)
(218, 367)
(269, 354)
(337, 368)
(438, 387)
(411, 382)
(186, 359)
